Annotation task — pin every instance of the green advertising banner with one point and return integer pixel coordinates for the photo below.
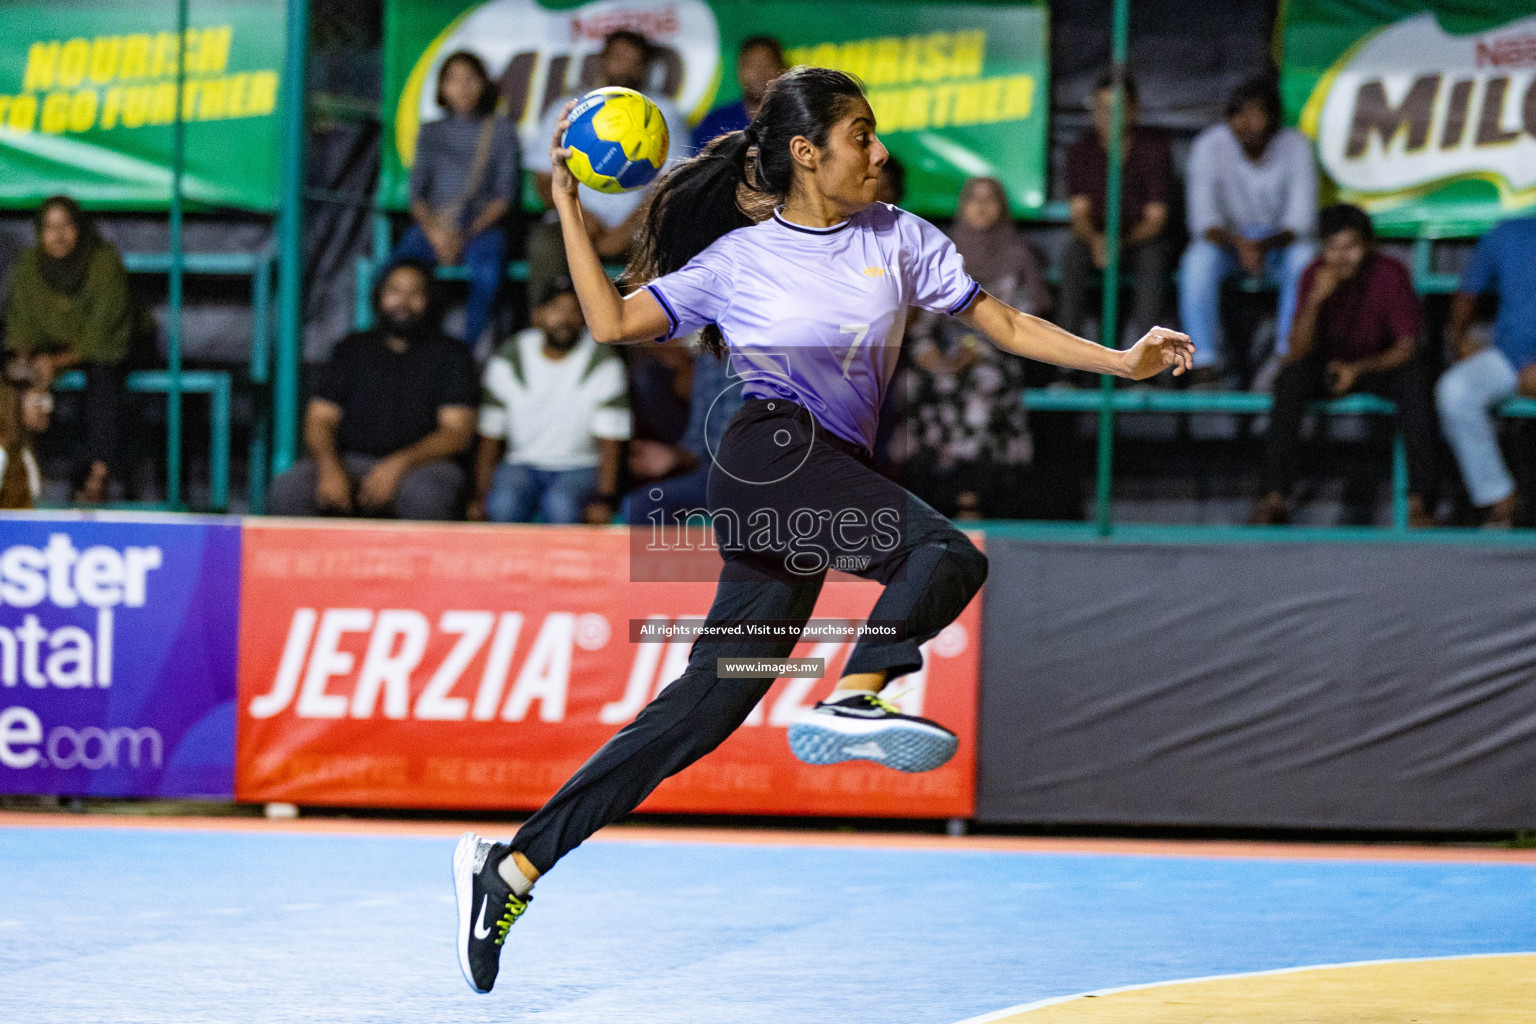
(958, 89)
(1425, 114)
(88, 97)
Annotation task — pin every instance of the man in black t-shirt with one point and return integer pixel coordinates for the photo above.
(391, 409)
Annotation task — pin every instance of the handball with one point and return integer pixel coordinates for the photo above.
(617, 139)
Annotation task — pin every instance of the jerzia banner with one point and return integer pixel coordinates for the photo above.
(1420, 115)
(403, 665)
(478, 667)
(117, 656)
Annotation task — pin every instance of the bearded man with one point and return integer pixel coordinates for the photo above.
(553, 421)
(391, 410)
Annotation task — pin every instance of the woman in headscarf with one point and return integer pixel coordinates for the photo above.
(69, 308)
(967, 431)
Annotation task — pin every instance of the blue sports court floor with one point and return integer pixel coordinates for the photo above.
(258, 922)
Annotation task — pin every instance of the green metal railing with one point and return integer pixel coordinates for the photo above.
(1244, 403)
(259, 268)
(213, 383)
(175, 380)
(1108, 401)
(1110, 312)
(290, 243)
(275, 366)
(366, 270)
(178, 271)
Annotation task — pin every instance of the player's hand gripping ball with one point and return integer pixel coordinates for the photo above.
(617, 139)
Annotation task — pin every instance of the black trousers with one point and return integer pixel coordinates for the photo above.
(101, 413)
(1306, 380)
(775, 463)
(1148, 263)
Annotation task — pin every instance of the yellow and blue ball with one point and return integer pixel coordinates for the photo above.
(617, 138)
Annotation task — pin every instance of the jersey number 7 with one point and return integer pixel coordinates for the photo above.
(858, 331)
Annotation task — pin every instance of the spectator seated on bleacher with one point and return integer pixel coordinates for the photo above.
(1252, 209)
(554, 417)
(466, 177)
(614, 218)
(672, 480)
(758, 62)
(1504, 264)
(69, 308)
(24, 412)
(967, 432)
(1357, 328)
(1147, 185)
(661, 394)
(393, 408)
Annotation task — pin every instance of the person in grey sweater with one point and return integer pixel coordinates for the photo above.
(465, 180)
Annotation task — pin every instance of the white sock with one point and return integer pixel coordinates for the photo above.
(842, 694)
(513, 876)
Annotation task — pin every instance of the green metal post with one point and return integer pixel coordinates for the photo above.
(1399, 482)
(383, 237)
(173, 331)
(290, 245)
(1109, 316)
(261, 377)
(218, 448)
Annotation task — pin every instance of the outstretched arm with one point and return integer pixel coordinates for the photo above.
(612, 318)
(1034, 338)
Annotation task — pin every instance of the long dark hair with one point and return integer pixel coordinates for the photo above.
(698, 201)
(486, 104)
(1345, 217)
(1261, 89)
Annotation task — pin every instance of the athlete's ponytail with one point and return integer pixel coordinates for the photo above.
(701, 199)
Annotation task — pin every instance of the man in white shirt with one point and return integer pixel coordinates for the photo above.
(625, 60)
(1252, 209)
(557, 404)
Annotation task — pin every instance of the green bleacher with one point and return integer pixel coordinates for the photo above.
(217, 385)
(1247, 403)
(1427, 281)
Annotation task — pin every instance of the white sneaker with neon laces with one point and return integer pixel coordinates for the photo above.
(866, 728)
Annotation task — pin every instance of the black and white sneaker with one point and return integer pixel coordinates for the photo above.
(866, 728)
(487, 908)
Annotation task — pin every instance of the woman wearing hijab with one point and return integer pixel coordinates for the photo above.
(69, 308)
(966, 422)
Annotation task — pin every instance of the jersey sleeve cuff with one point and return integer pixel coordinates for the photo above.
(666, 307)
(965, 300)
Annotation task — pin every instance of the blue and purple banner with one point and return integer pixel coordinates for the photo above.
(117, 656)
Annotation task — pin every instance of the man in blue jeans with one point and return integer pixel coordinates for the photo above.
(558, 404)
(1504, 264)
(1253, 210)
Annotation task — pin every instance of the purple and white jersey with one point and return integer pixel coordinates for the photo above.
(816, 315)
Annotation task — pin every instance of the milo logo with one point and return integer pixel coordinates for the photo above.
(1412, 105)
(536, 55)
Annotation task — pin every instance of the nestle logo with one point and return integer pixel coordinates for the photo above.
(1507, 52)
(653, 23)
